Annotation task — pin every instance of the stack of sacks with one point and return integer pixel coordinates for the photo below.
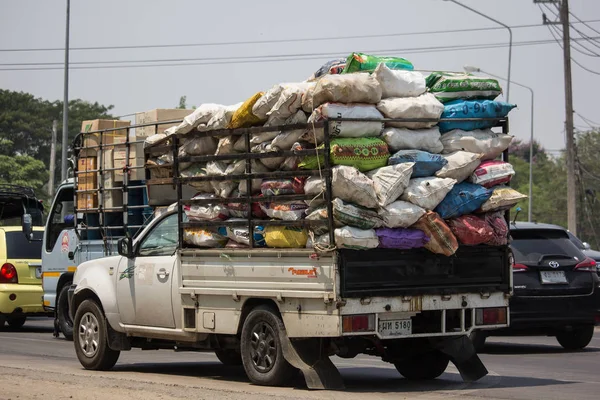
(395, 184)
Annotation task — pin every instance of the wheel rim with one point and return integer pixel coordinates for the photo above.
(89, 334)
(263, 347)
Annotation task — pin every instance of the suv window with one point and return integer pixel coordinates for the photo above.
(529, 244)
(19, 248)
(576, 241)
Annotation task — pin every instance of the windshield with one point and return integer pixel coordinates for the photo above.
(529, 245)
(19, 248)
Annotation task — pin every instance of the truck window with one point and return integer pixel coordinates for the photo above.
(63, 207)
(162, 240)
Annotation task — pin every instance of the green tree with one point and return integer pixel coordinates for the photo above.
(588, 215)
(182, 103)
(25, 171)
(26, 127)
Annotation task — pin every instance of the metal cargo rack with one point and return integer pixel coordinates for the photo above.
(172, 143)
(101, 220)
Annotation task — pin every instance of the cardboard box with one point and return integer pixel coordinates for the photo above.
(136, 174)
(93, 140)
(87, 201)
(112, 198)
(157, 115)
(87, 164)
(87, 180)
(165, 195)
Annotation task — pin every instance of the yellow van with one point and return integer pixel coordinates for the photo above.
(20, 276)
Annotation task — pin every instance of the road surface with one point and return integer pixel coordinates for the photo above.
(34, 365)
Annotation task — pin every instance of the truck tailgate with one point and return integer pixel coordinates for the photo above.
(384, 272)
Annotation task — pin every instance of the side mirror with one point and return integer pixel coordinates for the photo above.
(586, 246)
(27, 226)
(125, 247)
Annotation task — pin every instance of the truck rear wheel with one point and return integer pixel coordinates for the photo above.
(576, 339)
(91, 345)
(262, 354)
(65, 324)
(229, 357)
(423, 366)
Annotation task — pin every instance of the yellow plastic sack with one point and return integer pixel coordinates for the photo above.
(286, 236)
(243, 117)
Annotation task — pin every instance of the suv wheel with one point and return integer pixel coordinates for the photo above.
(576, 339)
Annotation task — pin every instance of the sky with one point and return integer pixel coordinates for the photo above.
(377, 27)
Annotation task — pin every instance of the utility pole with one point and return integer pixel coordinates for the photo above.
(570, 137)
(65, 128)
(52, 158)
(571, 183)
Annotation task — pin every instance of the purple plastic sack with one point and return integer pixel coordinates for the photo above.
(401, 238)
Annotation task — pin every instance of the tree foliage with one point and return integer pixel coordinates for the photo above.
(26, 130)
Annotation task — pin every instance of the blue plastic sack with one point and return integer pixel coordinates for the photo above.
(426, 164)
(464, 198)
(473, 109)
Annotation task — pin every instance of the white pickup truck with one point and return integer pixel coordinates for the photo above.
(278, 310)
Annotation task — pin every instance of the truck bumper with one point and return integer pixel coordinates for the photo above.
(543, 315)
(21, 299)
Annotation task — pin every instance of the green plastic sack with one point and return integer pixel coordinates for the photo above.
(364, 154)
(360, 62)
(448, 86)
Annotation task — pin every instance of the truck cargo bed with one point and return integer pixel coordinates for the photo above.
(384, 272)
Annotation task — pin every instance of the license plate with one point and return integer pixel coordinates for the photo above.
(395, 327)
(553, 277)
(38, 272)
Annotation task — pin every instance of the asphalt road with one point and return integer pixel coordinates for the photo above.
(34, 365)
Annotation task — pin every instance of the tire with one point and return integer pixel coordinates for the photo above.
(262, 354)
(65, 324)
(478, 339)
(423, 366)
(16, 322)
(2, 321)
(229, 357)
(91, 345)
(576, 339)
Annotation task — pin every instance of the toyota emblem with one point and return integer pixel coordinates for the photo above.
(554, 264)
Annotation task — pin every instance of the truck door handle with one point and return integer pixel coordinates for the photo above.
(162, 273)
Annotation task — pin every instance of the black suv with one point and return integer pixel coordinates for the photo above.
(556, 288)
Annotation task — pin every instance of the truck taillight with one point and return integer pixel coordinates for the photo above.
(490, 316)
(586, 265)
(358, 323)
(519, 268)
(8, 274)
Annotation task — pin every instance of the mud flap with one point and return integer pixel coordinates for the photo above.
(464, 357)
(316, 366)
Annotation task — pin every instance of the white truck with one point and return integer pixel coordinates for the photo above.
(277, 310)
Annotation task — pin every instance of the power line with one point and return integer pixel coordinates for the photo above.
(263, 58)
(589, 122)
(586, 51)
(583, 22)
(572, 59)
(275, 41)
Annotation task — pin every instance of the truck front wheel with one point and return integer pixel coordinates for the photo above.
(65, 324)
(91, 345)
(423, 366)
(262, 354)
